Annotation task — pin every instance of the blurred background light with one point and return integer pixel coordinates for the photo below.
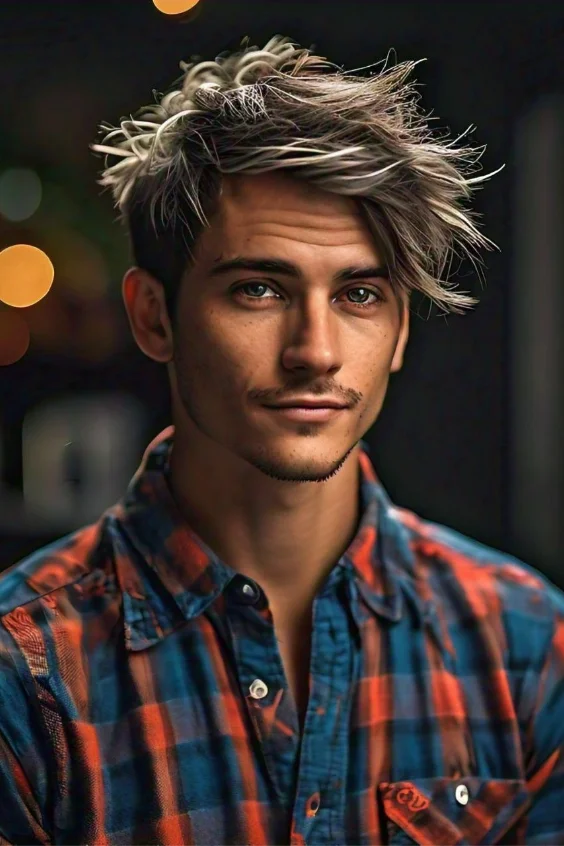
(26, 275)
(20, 193)
(175, 7)
(14, 336)
(82, 269)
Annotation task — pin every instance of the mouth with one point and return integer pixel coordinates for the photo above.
(307, 414)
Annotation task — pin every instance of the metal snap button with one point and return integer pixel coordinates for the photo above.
(462, 795)
(258, 689)
(249, 591)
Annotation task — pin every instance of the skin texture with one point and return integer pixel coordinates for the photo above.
(276, 500)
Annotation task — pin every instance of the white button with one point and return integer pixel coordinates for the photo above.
(461, 794)
(248, 590)
(258, 689)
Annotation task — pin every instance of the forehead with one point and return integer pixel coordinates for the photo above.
(281, 213)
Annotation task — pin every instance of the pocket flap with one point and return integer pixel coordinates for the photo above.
(447, 811)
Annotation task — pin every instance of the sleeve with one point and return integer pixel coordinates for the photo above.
(24, 781)
(545, 771)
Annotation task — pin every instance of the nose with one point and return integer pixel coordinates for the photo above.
(314, 343)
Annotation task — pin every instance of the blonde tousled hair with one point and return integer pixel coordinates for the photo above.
(282, 107)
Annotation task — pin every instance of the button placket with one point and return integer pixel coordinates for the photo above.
(260, 675)
(332, 667)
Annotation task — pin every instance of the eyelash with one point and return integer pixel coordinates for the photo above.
(377, 294)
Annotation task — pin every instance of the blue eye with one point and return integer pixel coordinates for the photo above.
(370, 291)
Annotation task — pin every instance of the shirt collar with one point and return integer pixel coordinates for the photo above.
(168, 574)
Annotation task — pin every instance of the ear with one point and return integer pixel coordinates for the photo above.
(145, 304)
(397, 361)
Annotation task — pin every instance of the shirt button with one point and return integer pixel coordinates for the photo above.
(258, 689)
(461, 794)
(248, 593)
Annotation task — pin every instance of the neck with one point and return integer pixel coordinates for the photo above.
(286, 536)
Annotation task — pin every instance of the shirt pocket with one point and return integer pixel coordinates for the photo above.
(449, 812)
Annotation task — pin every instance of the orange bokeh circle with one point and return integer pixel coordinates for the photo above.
(26, 275)
(175, 7)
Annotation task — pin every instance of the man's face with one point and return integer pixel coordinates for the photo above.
(246, 337)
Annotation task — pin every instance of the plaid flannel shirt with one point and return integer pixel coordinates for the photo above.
(143, 697)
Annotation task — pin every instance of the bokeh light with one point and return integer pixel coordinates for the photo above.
(20, 193)
(26, 275)
(175, 7)
(14, 337)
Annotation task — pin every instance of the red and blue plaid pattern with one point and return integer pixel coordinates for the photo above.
(131, 709)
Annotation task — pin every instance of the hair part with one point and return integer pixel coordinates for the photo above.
(284, 108)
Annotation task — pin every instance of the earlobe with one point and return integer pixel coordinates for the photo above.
(145, 304)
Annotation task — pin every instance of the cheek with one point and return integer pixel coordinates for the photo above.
(241, 348)
(212, 358)
(377, 385)
(377, 373)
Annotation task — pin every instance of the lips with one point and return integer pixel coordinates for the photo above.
(308, 404)
(316, 414)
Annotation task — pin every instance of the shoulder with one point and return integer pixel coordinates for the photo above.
(469, 580)
(57, 566)
(56, 595)
(41, 618)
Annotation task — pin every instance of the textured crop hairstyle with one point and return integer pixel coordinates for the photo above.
(284, 108)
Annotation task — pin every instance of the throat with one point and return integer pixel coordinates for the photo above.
(294, 644)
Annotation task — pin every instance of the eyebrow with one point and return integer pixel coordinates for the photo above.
(286, 268)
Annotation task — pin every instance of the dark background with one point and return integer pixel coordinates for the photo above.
(470, 435)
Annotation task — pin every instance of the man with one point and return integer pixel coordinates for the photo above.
(255, 646)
